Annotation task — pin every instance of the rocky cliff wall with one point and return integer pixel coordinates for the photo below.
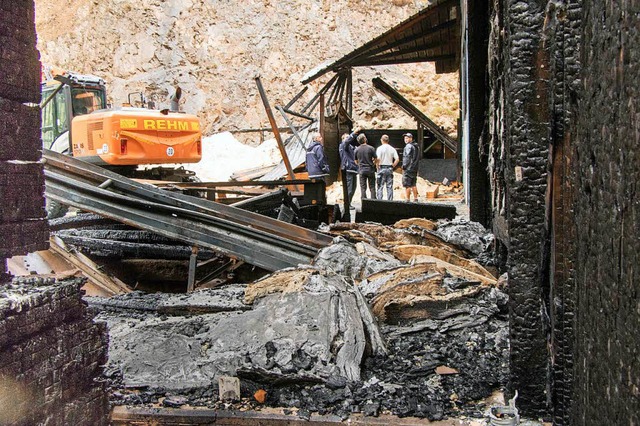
(214, 48)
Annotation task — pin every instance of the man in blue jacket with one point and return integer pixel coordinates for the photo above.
(317, 165)
(347, 160)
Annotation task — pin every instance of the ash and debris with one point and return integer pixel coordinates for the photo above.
(469, 235)
(308, 338)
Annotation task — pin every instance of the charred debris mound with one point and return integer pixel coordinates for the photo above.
(399, 319)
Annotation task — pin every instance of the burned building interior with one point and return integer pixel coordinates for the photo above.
(257, 301)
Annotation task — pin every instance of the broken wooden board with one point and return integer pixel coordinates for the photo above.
(44, 262)
(432, 192)
(91, 270)
(377, 283)
(407, 254)
(410, 308)
(428, 285)
(427, 224)
(387, 236)
(374, 233)
(288, 280)
(456, 270)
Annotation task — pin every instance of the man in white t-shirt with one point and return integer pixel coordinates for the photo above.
(386, 162)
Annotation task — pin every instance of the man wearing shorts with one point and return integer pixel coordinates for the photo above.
(410, 161)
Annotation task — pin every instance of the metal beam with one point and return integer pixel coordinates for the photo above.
(259, 240)
(292, 127)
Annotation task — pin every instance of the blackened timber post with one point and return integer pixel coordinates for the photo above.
(276, 131)
(350, 93)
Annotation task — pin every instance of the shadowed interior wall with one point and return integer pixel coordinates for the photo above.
(607, 217)
(478, 11)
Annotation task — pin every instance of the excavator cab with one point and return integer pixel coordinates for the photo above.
(63, 98)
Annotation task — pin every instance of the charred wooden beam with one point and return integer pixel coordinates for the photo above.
(296, 97)
(414, 38)
(350, 93)
(412, 110)
(314, 101)
(411, 60)
(389, 212)
(78, 221)
(125, 249)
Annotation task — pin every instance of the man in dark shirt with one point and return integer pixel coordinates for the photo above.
(365, 159)
(410, 162)
(347, 161)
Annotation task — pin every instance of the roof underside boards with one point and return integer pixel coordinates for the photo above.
(431, 35)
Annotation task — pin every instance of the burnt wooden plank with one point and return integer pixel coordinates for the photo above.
(389, 212)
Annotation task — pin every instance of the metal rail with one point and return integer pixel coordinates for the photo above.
(256, 239)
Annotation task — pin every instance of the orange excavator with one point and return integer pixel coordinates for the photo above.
(76, 120)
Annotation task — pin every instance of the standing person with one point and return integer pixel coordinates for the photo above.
(317, 165)
(175, 98)
(365, 159)
(387, 161)
(410, 160)
(347, 161)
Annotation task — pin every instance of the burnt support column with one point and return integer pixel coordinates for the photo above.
(527, 122)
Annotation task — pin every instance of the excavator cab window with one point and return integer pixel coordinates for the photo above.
(85, 101)
(55, 117)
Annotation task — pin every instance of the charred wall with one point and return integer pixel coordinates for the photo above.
(563, 169)
(51, 353)
(23, 228)
(533, 68)
(607, 217)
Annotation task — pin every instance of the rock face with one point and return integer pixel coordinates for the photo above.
(214, 49)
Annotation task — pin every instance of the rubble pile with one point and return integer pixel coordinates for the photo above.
(385, 320)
